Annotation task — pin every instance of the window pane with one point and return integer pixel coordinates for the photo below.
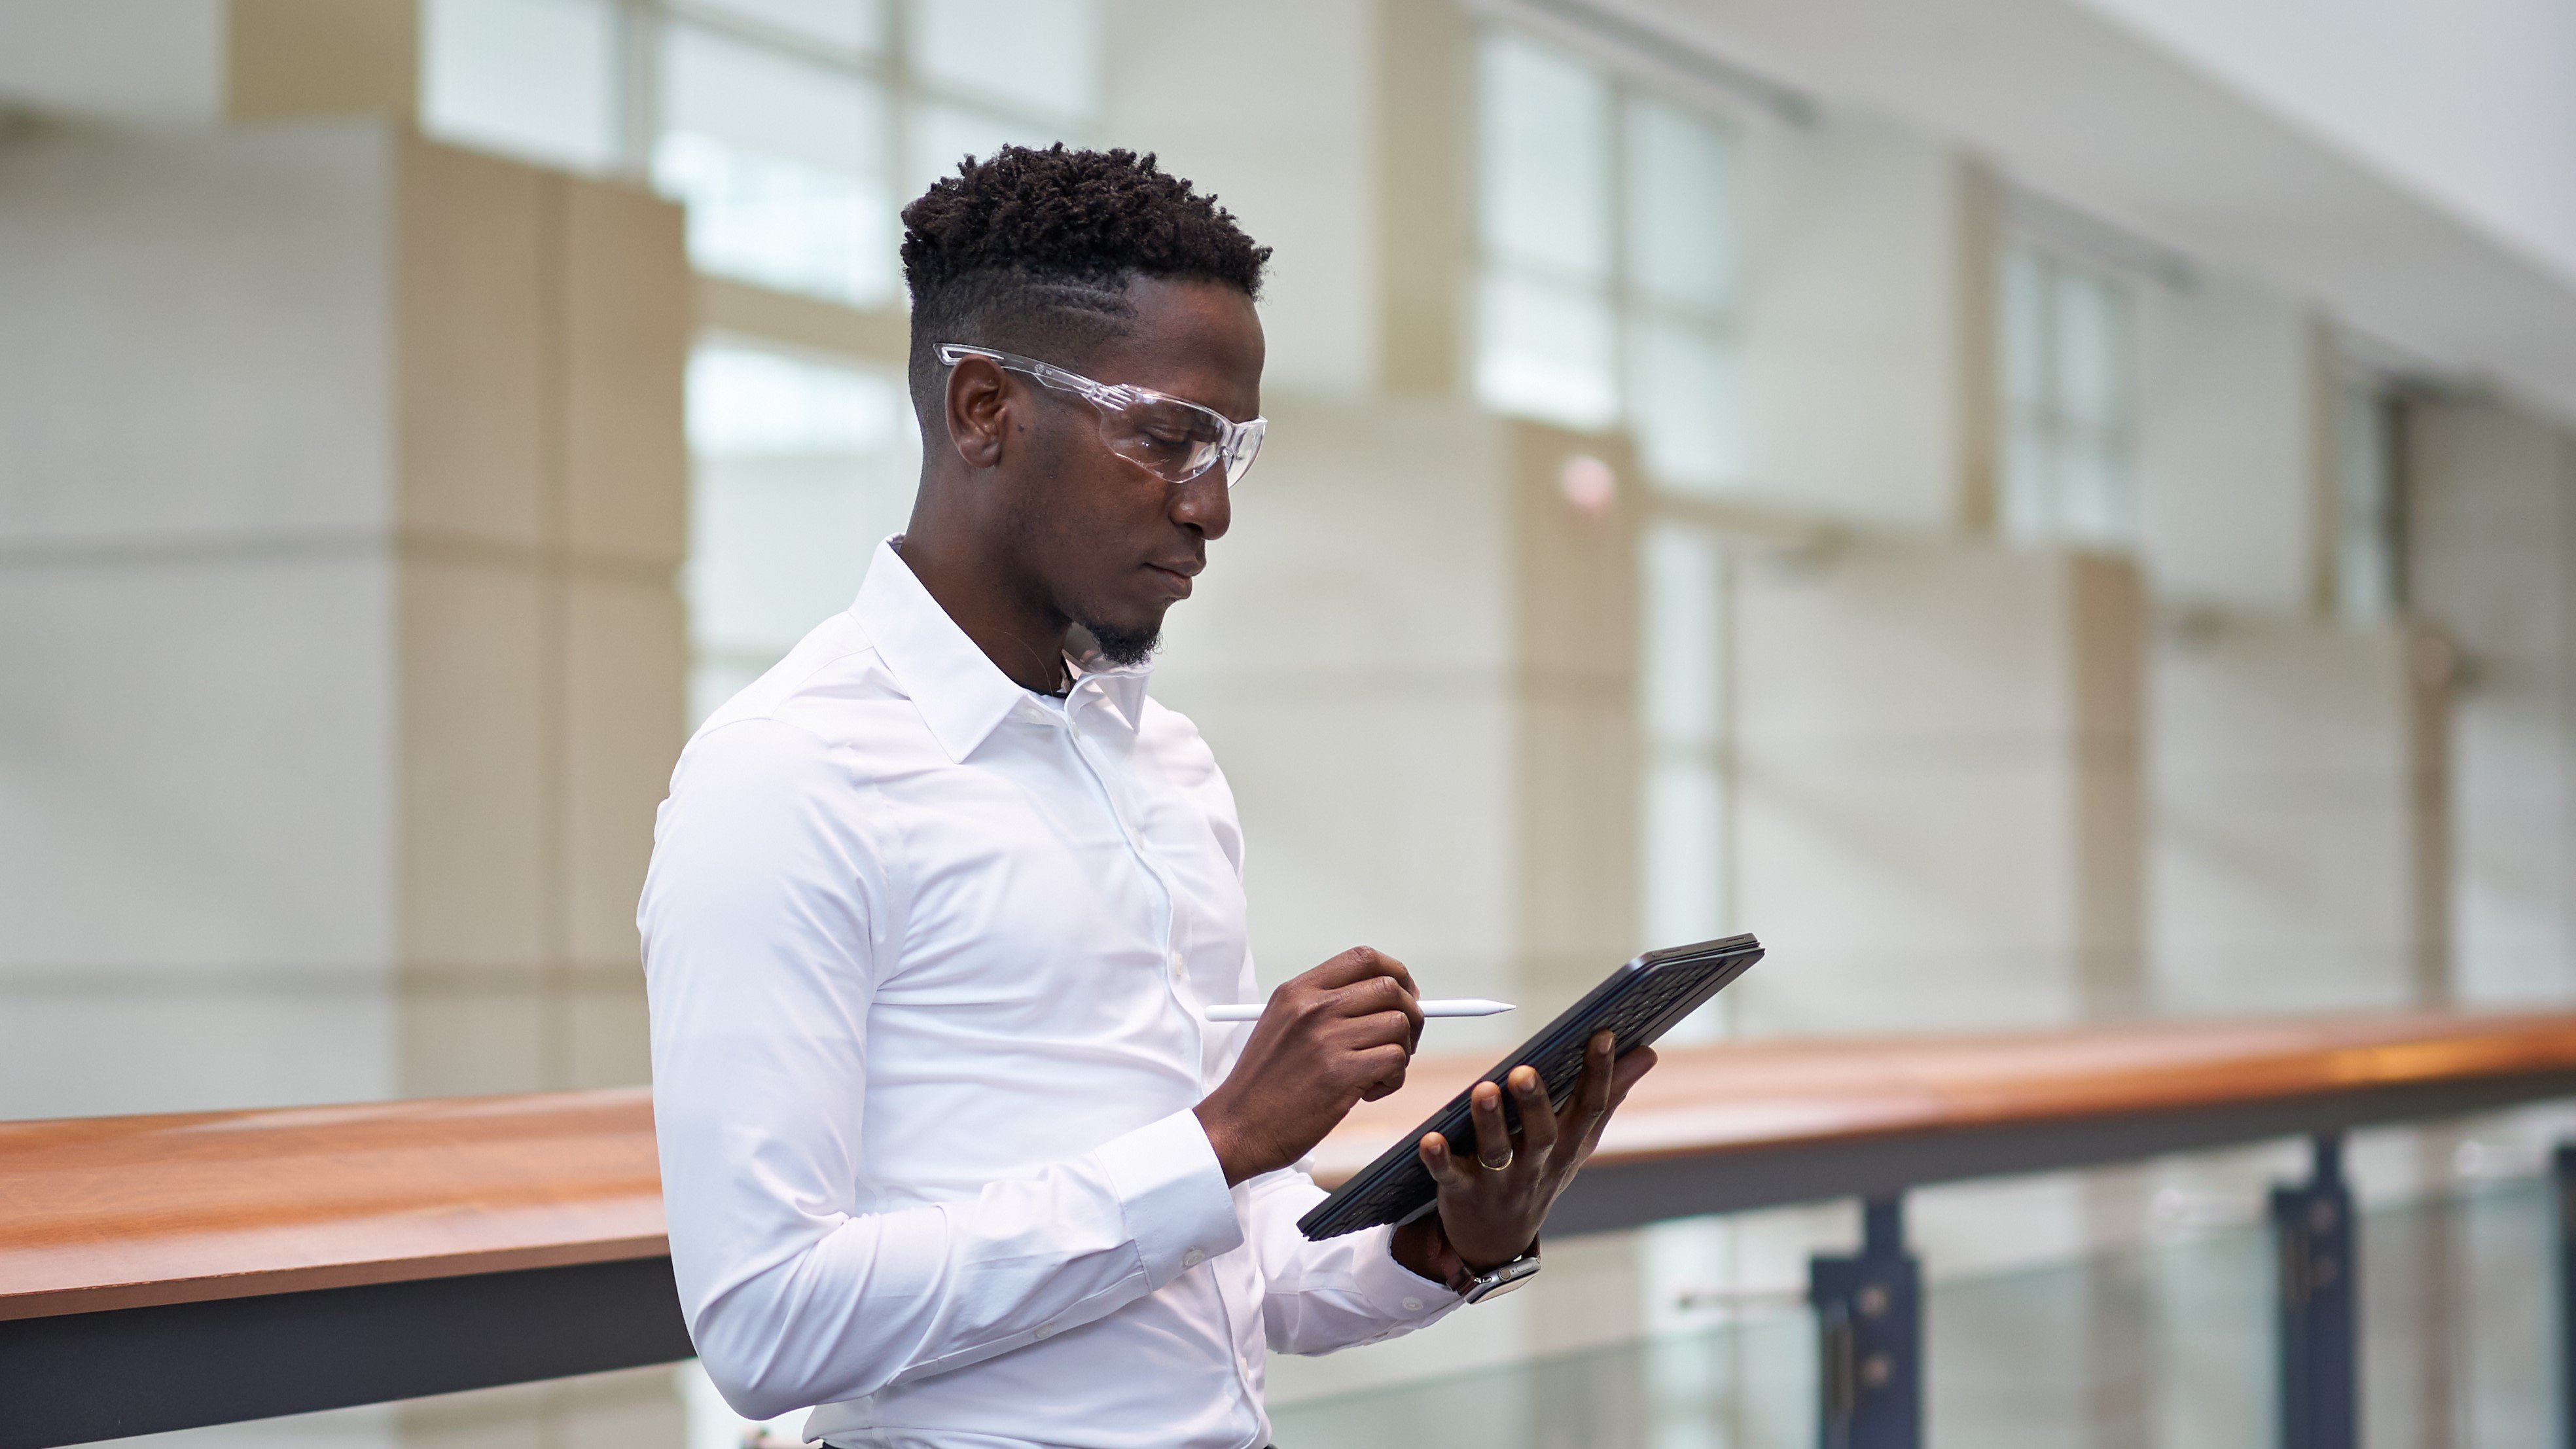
(2091, 352)
(532, 78)
(781, 164)
(800, 469)
(2366, 557)
(1544, 350)
(1682, 663)
(2025, 341)
(1683, 390)
(1681, 223)
(1035, 55)
(2029, 482)
(1684, 825)
(1545, 133)
(2093, 504)
(2069, 413)
(1682, 653)
(941, 135)
(854, 25)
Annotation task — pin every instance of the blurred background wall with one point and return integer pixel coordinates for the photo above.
(2046, 510)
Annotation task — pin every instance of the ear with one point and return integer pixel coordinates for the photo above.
(978, 411)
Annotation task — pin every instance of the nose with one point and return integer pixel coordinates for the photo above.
(1203, 505)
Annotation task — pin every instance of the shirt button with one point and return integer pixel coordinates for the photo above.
(1413, 1305)
(1180, 967)
(1193, 1258)
(1045, 1328)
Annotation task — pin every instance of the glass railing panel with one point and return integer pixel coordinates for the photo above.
(2169, 1345)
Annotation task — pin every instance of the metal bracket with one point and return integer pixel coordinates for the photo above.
(1869, 1311)
(2563, 1179)
(2312, 1227)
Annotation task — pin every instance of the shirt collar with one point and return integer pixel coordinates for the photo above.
(961, 694)
(1122, 685)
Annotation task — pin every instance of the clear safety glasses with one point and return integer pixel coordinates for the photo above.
(1172, 439)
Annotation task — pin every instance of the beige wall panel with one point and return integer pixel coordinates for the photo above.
(1577, 777)
(1577, 872)
(625, 686)
(192, 1045)
(2108, 643)
(477, 453)
(2233, 389)
(1933, 779)
(1426, 220)
(1287, 143)
(156, 61)
(198, 775)
(479, 782)
(1369, 536)
(321, 58)
(472, 1032)
(2289, 828)
(197, 334)
(627, 318)
(1376, 812)
(2491, 561)
(1575, 594)
(1896, 645)
(1860, 322)
(1925, 895)
(606, 1037)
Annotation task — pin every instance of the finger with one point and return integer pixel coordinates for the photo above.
(1444, 1167)
(1374, 1028)
(1632, 1066)
(1591, 1100)
(1635, 1064)
(1356, 964)
(1400, 972)
(1382, 993)
(1538, 1120)
(1382, 1070)
(1493, 1139)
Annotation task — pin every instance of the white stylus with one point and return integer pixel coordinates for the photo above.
(1466, 1006)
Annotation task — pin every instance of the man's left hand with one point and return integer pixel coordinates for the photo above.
(1493, 1199)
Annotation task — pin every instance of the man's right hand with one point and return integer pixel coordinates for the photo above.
(1339, 1035)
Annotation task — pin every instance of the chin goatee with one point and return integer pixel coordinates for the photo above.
(1125, 647)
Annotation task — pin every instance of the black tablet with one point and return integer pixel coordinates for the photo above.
(1637, 1003)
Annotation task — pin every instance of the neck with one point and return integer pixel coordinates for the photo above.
(974, 583)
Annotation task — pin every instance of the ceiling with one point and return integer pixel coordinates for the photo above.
(2070, 103)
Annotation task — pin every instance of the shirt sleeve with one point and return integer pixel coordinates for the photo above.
(1337, 1293)
(766, 912)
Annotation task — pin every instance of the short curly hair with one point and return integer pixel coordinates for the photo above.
(1031, 252)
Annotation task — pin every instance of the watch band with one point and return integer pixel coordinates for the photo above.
(1502, 1278)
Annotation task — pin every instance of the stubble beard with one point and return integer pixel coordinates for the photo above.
(1125, 648)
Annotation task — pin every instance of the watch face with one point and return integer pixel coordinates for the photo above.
(1502, 1280)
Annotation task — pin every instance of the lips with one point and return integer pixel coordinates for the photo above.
(1175, 577)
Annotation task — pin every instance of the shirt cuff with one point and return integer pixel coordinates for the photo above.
(1172, 1191)
(1395, 1291)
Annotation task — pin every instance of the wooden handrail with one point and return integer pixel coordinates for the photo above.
(100, 1213)
(108, 1213)
(1741, 1098)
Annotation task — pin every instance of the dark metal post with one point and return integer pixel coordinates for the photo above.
(2313, 1229)
(1870, 1311)
(2564, 1180)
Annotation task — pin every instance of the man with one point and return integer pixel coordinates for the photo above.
(937, 904)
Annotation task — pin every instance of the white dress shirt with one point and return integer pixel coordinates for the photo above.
(926, 957)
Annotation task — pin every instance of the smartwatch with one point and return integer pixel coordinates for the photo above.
(1501, 1278)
